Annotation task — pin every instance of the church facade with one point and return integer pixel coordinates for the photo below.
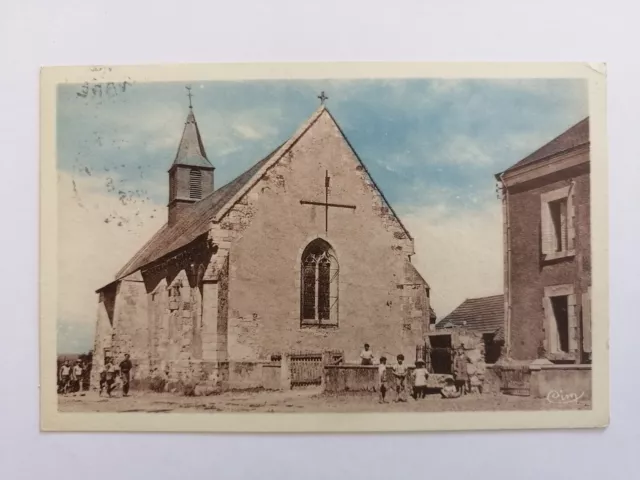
(300, 253)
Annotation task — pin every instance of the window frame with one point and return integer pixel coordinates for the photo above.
(551, 327)
(334, 286)
(547, 228)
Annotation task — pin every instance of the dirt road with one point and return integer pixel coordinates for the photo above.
(310, 400)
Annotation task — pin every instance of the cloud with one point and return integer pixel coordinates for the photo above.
(464, 150)
(97, 234)
(459, 252)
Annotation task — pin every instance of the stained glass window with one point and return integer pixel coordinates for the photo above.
(319, 285)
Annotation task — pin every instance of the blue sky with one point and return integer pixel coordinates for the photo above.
(432, 146)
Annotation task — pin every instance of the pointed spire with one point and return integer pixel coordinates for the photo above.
(191, 149)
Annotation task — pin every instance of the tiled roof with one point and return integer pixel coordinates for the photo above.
(571, 138)
(191, 149)
(485, 314)
(191, 224)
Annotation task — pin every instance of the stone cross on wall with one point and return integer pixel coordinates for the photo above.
(326, 203)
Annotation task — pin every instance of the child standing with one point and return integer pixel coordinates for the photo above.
(461, 377)
(383, 380)
(400, 372)
(420, 376)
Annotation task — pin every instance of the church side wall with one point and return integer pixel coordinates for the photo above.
(269, 230)
(104, 331)
(131, 329)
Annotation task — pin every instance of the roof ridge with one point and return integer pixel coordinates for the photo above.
(378, 189)
(540, 154)
(270, 161)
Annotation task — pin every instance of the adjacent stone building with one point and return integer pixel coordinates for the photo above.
(300, 253)
(484, 316)
(548, 251)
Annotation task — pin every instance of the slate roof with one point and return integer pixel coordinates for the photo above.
(485, 314)
(191, 224)
(191, 149)
(573, 137)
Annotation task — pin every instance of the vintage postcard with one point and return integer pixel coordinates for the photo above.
(324, 247)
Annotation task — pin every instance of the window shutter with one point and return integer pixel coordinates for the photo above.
(571, 233)
(546, 230)
(550, 337)
(586, 321)
(574, 331)
(195, 184)
(564, 227)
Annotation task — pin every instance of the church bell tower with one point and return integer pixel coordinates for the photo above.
(191, 175)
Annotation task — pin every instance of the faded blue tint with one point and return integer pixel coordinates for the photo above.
(424, 141)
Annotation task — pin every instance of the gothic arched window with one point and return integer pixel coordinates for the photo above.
(319, 285)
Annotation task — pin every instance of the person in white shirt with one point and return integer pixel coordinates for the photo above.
(65, 377)
(111, 372)
(77, 377)
(420, 376)
(366, 356)
(449, 390)
(400, 372)
(383, 380)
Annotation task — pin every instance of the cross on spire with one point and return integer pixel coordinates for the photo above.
(322, 97)
(326, 203)
(189, 95)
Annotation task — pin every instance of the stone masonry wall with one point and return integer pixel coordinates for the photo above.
(104, 331)
(131, 332)
(267, 232)
(529, 274)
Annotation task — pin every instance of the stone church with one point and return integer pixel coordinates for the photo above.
(300, 253)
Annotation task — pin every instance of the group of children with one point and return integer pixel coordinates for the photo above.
(398, 378)
(402, 381)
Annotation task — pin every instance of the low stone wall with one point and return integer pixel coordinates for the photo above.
(245, 375)
(492, 381)
(561, 383)
(271, 376)
(364, 378)
(350, 378)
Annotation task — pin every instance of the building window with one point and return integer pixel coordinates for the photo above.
(560, 308)
(195, 184)
(557, 223)
(561, 326)
(319, 285)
